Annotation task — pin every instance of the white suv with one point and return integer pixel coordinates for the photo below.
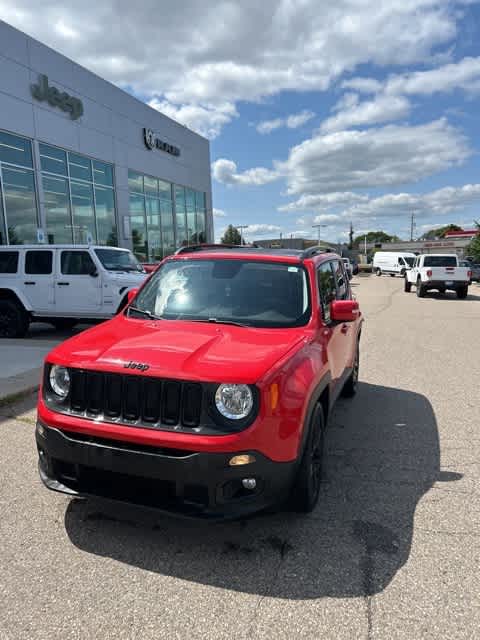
(63, 284)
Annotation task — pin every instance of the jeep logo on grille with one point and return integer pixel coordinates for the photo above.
(136, 365)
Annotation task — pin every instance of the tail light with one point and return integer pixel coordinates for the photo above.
(469, 274)
(429, 273)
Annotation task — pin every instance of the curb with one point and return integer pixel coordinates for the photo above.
(15, 396)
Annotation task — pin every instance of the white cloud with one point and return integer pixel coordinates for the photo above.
(225, 171)
(447, 200)
(262, 229)
(464, 75)
(291, 122)
(323, 201)
(205, 120)
(386, 156)
(219, 213)
(382, 108)
(198, 55)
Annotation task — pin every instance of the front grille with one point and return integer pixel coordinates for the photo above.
(135, 399)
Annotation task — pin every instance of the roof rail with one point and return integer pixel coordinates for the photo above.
(314, 251)
(206, 247)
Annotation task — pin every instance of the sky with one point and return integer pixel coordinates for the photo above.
(355, 112)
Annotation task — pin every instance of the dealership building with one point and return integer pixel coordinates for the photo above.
(82, 161)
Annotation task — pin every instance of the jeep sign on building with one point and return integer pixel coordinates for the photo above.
(82, 161)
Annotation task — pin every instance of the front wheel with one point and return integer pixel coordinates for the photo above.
(462, 293)
(378, 272)
(407, 286)
(306, 489)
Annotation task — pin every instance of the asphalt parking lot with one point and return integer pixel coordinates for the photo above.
(391, 551)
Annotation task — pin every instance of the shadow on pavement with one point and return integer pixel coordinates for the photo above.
(383, 456)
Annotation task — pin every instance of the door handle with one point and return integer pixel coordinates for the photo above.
(29, 282)
(63, 284)
(344, 328)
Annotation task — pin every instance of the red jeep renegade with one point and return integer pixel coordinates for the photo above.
(209, 393)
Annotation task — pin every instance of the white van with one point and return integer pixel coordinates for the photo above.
(62, 284)
(392, 262)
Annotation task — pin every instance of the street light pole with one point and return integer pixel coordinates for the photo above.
(318, 226)
(242, 227)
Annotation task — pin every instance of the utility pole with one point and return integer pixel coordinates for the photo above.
(242, 227)
(350, 235)
(318, 226)
(412, 226)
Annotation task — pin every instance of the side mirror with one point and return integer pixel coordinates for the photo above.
(344, 310)
(131, 295)
(93, 272)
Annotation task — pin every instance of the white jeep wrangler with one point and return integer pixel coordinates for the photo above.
(63, 284)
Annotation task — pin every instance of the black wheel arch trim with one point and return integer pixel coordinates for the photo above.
(322, 386)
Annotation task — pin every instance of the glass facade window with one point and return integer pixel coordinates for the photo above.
(20, 204)
(79, 198)
(182, 216)
(58, 211)
(80, 167)
(18, 200)
(15, 150)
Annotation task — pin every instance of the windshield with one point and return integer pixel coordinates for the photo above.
(252, 293)
(440, 261)
(115, 260)
(409, 261)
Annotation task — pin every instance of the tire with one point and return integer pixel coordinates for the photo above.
(420, 289)
(403, 272)
(306, 489)
(351, 385)
(14, 320)
(64, 324)
(407, 286)
(462, 293)
(378, 272)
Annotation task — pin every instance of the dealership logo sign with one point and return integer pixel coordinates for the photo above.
(152, 141)
(43, 92)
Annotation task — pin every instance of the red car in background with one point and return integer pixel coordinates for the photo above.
(208, 395)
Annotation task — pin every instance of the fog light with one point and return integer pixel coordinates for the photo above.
(244, 458)
(249, 483)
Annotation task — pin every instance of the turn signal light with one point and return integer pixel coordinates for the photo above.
(429, 273)
(244, 458)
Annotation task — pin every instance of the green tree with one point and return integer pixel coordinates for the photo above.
(231, 236)
(473, 248)
(374, 237)
(440, 232)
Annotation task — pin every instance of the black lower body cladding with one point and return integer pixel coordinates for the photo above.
(185, 483)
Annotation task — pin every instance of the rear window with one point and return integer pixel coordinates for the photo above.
(8, 261)
(38, 262)
(440, 261)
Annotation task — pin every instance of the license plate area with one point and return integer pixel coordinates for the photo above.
(449, 283)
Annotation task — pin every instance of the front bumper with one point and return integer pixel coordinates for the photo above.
(180, 482)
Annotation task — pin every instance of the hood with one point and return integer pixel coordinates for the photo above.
(179, 349)
(126, 278)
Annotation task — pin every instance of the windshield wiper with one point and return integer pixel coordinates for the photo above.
(144, 312)
(220, 321)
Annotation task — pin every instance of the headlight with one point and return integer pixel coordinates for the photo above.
(234, 401)
(60, 380)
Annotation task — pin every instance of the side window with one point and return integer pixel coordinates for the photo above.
(38, 262)
(326, 288)
(341, 280)
(8, 261)
(401, 262)
(77, 263)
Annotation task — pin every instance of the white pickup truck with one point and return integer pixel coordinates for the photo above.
(440, 272)
(62, 284)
